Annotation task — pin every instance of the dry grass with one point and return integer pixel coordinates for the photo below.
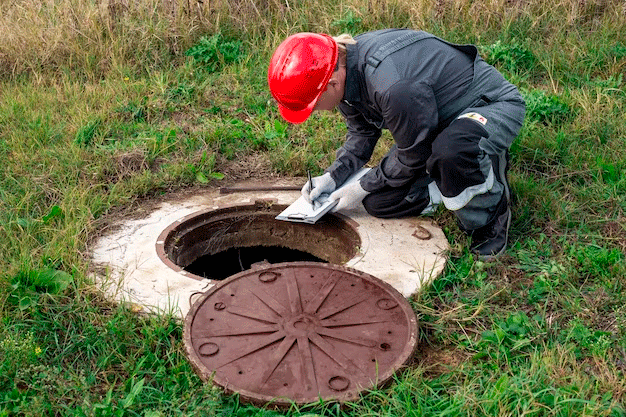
(91, 37)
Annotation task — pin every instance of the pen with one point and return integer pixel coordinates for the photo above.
(308, 172)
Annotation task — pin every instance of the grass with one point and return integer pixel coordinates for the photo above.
(105, 106)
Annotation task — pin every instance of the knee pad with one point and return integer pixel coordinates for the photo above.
(457, 162)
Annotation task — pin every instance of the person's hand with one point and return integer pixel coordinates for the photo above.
(323, 184)
(349, 196)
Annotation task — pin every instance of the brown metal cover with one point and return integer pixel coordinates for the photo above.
(300, 331)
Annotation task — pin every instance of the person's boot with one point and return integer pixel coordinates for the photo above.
(490, 241)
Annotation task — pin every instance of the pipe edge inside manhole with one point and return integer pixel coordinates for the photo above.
(215, 244)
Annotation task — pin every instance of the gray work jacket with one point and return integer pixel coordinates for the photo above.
(393, 81)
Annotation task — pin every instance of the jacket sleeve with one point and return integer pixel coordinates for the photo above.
(361, 139)
(409, 110)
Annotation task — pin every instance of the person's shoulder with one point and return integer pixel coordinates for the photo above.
(389, 36)
(389, 32)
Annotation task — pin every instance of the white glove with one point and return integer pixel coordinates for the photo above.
(323, 184)
(349, 196)
(435, 198)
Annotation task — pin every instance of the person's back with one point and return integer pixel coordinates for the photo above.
(452, 116)
(447, 70)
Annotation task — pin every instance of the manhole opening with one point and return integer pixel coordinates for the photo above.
(234, 260)
(216, 244)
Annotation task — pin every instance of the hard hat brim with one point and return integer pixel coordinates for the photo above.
(296, 116)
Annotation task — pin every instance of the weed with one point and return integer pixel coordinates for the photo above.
(181, 93)
(510, 56)
(28, 286)
(545, 108)
(215, 51)
(203, 171)
(546, 283)
(17, 349)
(274, 134)
(612, 83)
(348, 24)
(510, 339)
(109, 408)
(595, 262)
(133, 111)
(585, 341)
(457, 273)
(611, 173)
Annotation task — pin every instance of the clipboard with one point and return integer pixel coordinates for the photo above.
(301, 210)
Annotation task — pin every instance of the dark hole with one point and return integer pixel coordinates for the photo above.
(234, 260)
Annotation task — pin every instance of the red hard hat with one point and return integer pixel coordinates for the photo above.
(299, 72)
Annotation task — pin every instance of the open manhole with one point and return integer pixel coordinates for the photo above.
(216, 244)
(299, 332)
(267, 321)
(160, 257)
(285, 321)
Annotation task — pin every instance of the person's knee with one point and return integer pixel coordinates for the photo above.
(372, 205)
(380, 206)
(457, 163)
(393, 203)
(457, 142)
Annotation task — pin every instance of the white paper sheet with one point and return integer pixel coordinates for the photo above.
(302, 211)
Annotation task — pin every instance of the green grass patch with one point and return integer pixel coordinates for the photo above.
(150, 97)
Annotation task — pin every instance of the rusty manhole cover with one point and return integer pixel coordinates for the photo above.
(300, 331)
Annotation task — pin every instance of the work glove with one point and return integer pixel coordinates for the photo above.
(349, 196)
(435, 198)
(323, 184)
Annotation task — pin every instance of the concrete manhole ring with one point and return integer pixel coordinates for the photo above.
(300, 331)
(143, 262)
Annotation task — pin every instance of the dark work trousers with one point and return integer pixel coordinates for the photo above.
(468, 164)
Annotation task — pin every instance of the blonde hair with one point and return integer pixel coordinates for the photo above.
(343, 40)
